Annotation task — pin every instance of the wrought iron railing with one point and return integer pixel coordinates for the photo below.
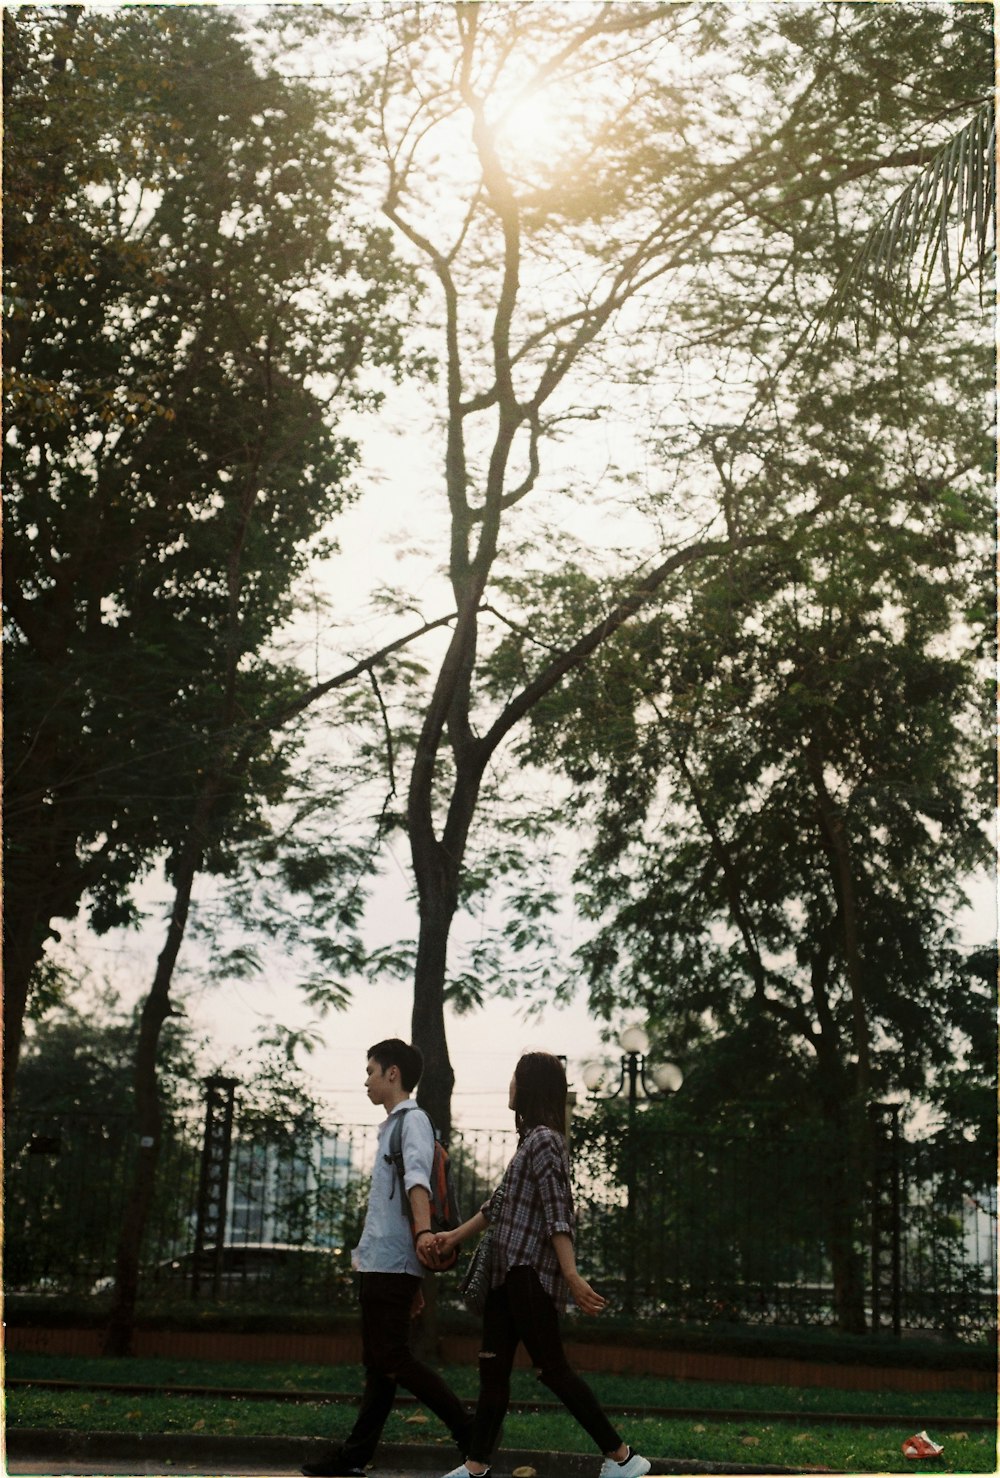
(672, 1224)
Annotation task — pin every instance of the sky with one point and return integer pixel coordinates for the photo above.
(484, 1046)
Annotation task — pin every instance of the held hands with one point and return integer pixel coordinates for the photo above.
(444, 1244)
(426, 1247)
(586, 1298)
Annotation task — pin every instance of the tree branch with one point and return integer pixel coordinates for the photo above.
(578, 653)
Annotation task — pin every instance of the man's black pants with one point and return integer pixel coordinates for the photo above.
(386, 1300)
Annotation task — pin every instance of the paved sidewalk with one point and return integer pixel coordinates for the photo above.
(52, 1454)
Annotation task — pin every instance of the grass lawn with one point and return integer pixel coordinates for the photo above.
(859, 1449)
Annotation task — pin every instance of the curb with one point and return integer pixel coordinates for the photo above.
(222, 1454)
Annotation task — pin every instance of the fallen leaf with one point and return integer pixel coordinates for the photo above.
(698, 1427)
(803, 1437)
(525, 1473)
(416, 1421)
(130, 1416)
(959, 1436)
(750, 1441)
(199, 1424)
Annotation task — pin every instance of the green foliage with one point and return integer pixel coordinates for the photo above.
(78, 1058)
(672, 242)
(275, 1099)
(830, 678)
(787, 769)
(701, 1241)
(299, 892)
(188, 299)
(964, 1149)
(66, 1149)
(52, 984)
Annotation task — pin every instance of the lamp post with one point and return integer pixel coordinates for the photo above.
(633, 1068)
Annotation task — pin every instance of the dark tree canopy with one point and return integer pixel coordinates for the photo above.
(788, 766)
(188, 300)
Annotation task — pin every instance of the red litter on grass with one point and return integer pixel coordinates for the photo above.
(921, 1446)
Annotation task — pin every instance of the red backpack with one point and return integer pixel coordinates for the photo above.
(445, 1215)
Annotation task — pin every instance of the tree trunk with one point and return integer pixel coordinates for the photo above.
(437, 909)
(837, 847)
(846, 1219)
(855, 1127)
(149, 1118)
(844, 1158)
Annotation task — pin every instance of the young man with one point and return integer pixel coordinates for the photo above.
(391, 1260)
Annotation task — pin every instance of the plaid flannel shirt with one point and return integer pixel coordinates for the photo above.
(537, 1201)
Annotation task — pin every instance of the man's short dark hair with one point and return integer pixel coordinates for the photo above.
(394, 1052)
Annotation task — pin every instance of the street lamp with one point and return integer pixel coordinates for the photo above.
(633, 1069)
(634, 1042)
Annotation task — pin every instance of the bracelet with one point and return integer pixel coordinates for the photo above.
(425, 1232)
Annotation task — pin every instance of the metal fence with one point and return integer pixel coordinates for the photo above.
(676, 1225)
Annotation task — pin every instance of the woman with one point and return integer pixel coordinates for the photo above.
(534, 1267)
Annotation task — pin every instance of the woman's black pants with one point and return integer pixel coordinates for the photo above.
(521, 1312)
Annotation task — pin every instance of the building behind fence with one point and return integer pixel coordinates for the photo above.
(694, 1227)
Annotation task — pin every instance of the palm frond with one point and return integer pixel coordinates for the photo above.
(949, 209)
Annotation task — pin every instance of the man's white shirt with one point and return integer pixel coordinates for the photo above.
(386, 1244)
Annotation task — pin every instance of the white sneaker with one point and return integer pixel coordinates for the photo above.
(633, 1467)
(462, 1472)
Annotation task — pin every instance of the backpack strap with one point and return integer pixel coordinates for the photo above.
(394, 1156)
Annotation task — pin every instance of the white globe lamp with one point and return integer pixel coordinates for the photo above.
(634, 1039)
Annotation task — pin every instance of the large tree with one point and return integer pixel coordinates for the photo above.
(188, 300)
(788, 771)
(563, 178)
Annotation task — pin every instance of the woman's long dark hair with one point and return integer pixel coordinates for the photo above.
(539, 1093)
